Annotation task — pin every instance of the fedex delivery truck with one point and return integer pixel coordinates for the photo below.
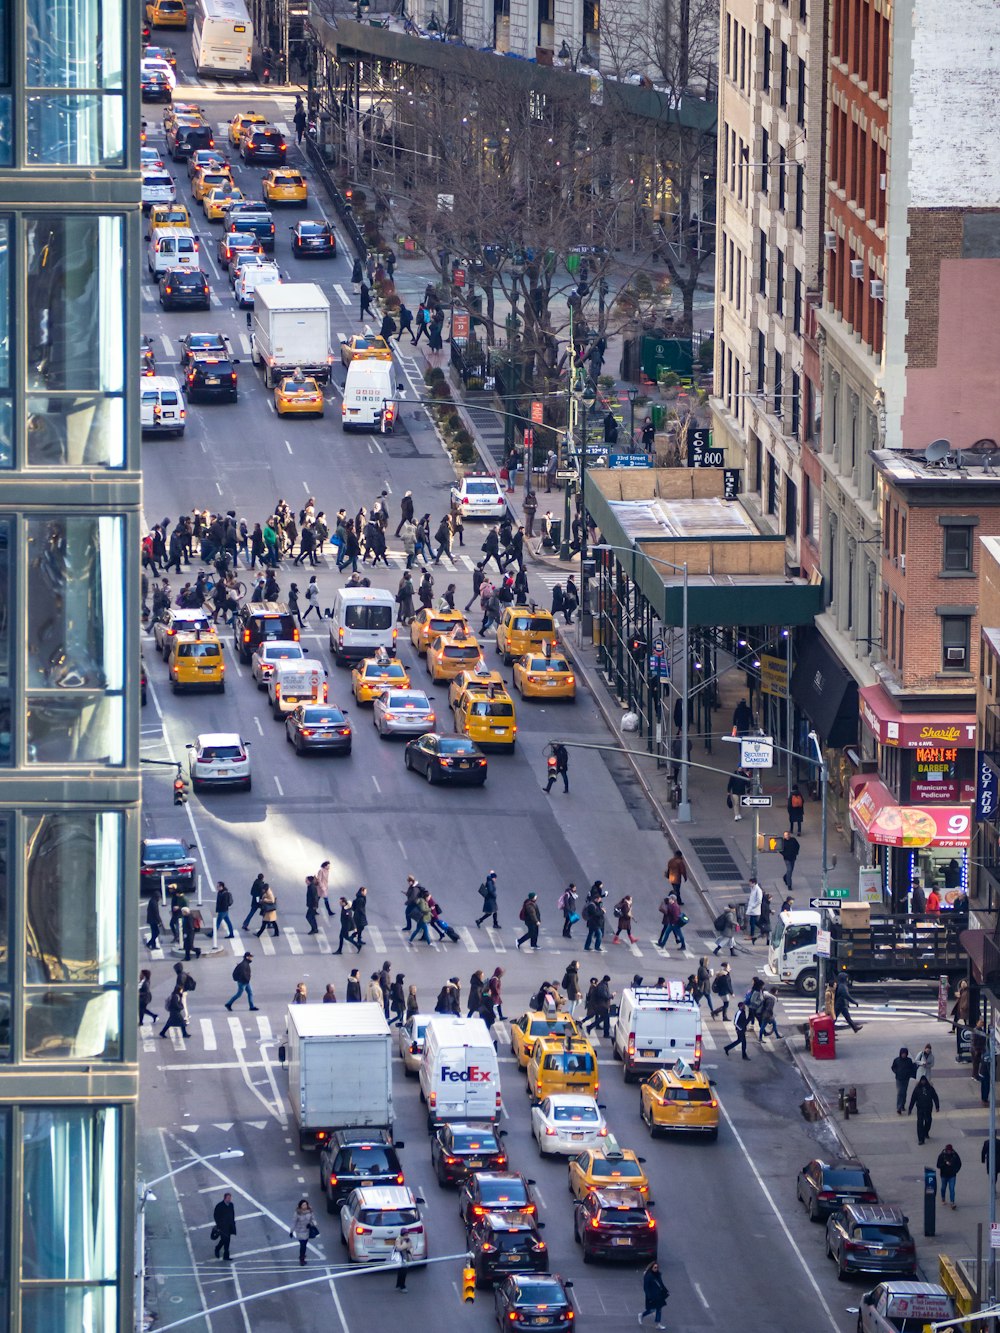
(459, 1073)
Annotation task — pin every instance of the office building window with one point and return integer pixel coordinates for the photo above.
(791, 508)
(782, 176)
(797, 302)
(800, 196)
(772, 485)
(74, 271)
(762, 264)
(779, 282)
(783, 89)
(800, 93)
(795, 399)
(765, 148)
(955, 643)
(778, 375)
(73, 908)
(958, 549)
(761, 359)
(766, 61)
(74, 94)
(75, 625)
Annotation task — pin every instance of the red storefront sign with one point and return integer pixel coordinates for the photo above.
(907, 731)
(877, 815)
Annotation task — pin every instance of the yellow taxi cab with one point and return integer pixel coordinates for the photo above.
(487, 718)
(449, 654)
(523, 629)
(177, 111)
(298, 393)
(680, 1098)
(219, 200)
(241, 122)
(526, 1030)
(168, 215)
(284, 187)
(208, 178)
(606, 1168)
(166, 14)
(195, 662)
(364, 347)
(544, 676)
(427, 624)
(376, 674)
(562, 1064)
(478, 679)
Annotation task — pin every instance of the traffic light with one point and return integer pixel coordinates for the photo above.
(468, 1285)
(637, 646)
(180, 791)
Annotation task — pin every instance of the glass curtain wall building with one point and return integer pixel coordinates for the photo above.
(70, 496)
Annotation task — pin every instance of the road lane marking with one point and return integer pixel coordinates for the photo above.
(277, 783)
(288, 446)
(376, 939)
(259, 727)
(267, 943)
(208, 1034)
(375, 784)
(237, 1033)
(466, 935)
(245, 344)
(168, 346)
(341, 293)
(294, 943)
(700, 1293)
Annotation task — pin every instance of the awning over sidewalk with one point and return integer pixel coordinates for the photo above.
(825, 691)
(877, 816)
(909, 730)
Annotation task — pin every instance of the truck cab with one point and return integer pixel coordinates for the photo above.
(791, 954)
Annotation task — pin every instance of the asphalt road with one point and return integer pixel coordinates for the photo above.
(736, 1250)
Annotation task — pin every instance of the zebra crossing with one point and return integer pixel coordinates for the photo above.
(799, 1009)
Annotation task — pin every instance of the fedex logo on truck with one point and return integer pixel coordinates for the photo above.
(473, 1074)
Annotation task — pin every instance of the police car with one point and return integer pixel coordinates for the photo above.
(480, 496)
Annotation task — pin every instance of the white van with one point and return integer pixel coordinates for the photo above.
(296, 682)
(370, 396)
(459, 1073)
(252, 276)
(162, 408)
(656, 1026)
(174, 247)
(362, 623)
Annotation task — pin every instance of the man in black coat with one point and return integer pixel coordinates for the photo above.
(925, 1099)
(225, 1224)
(360, 909)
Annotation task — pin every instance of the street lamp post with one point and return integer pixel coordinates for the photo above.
(684, 806)
(632, 393)
(146, 1195)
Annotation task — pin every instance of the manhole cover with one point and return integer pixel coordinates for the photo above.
(716, 859)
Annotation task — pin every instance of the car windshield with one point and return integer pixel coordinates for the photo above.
(461, 650)
(288, 180)
(845, 1178)
(689, 1094)
(186, 277)
(512, 1240)
(481, 488)
(280, 652)
(554, 1026)
(171, 852)
(365, 616)
(388, 1217)
(222, 752)
(548, 664)
(197, 650)
(617, 1217)
(471, 1140)
(440, 626)
(455, 745)
(313, 229)
(880, 1234)
(365, 1160)
(601, 1167)
(492, 708)
(394, 670)
(299, 386)
(539, 1293)
(575, 1114)
(407, 701)
(204, 342)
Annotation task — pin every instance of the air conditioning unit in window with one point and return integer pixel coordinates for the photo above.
(955, 654)
(988, 681)
(882, 181)
(829, 240)
(902, 563)
(857, 268)
(877, 288)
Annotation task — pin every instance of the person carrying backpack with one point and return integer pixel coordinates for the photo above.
(567, 905)
(726, 927)
(796, 807)
(722, 986)
(241, 975)
(531, 915)
(623, 915)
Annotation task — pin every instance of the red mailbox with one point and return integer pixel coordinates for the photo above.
(822, 1040)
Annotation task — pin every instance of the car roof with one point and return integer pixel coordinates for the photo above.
(571, 1099)
(839, 1163)
(358, 1137)
(386, 1196)
(184, 612)
(693, 1078)
(280, 645)
(473, 1126)
(198, 636)
(875, 1212)
(539, 1016)
(549, 1279)
(618, 1196)
(162, 842)
(555, 1041)
(218, 738)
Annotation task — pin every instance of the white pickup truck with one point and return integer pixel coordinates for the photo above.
(904, 1307)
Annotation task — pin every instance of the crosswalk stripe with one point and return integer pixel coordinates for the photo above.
(496, 939)
(264, 1027)
(207, 1034)
(341, 293)
(175, 1036)
(466, 935)
(245, 344)
(708, 1041)
(267, 943)
(294, 943)
(168, 346)
(376, 940)
(238, 1035)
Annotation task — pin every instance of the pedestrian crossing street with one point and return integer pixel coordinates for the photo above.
(296, 942)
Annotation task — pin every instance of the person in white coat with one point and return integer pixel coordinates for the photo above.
(755, 899)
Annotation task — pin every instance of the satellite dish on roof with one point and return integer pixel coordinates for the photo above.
(984, 446)
(937, 450)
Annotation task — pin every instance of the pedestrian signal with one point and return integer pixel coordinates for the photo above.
(180, 791)
(468, 1285)
(637, 646)
(768, 842)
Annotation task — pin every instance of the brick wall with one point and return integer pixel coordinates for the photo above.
(935, 234)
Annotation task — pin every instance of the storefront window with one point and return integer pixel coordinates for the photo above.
(70, 1219)
(75, 333)
(73, 920)
(76, 638)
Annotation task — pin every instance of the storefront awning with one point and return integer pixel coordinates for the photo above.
(877, 816)
(907, 731)
(825, 691)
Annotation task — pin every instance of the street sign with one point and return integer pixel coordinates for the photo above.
(459, 325)
(629, 460)
(842, 894)
(731, 483)
(754, 801)
(658, 647)
(831, 904)
(756, 752)
(538, 412)
(824, 943)
(566, 474)
(659, 666)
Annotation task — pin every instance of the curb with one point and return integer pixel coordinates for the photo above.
(820, 1098)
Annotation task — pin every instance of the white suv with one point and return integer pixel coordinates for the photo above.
(372, 1219)
(269, 652)
(480, 495)
(219, 759)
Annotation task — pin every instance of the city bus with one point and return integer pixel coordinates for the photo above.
(222, 41)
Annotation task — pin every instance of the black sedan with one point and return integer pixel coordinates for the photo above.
(496, 1192)
(446, 759)
(824, 1187)
(154, 86)
(533, 1300)
(318, 727)
(167, 861)
(184, 289)
(502, 1243)
(313, 239)
(194, 343)
(457, 1149)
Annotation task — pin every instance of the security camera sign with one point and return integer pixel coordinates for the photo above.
(756, 752)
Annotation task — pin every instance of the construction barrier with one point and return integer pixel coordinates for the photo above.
(955, 1285)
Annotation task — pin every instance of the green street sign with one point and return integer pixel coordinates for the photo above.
(843, 894)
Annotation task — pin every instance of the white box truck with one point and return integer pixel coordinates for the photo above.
(339, 1059)
(459, 1073)
(291, 331)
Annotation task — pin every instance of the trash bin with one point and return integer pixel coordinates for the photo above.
(557, 533)
(822, 1041)
(659, 416)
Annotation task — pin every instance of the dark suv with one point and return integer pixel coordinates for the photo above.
(256, 622)
(183, 140)
(825, 1186)
(255, 218)
(263, 143)
(866, 1238)
(185, 289)
(615, 1224)
(357, 1159)
(502, 1243)
(212, 375)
